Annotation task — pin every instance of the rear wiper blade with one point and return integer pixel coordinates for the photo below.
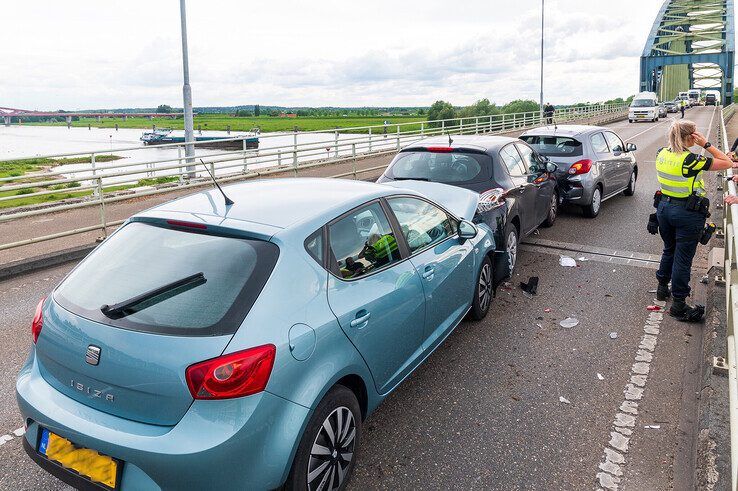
(411, 179)
(153, 297)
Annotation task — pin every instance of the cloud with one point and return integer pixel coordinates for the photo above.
(325, 53)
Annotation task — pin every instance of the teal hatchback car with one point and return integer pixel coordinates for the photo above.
(207, 345)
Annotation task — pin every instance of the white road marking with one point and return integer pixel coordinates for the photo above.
(709, 128)
(645, 131)
(611, 468)
(12, 436)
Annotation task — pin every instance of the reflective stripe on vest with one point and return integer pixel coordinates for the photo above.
(671, 179)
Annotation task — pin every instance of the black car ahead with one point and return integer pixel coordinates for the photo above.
(517, 186)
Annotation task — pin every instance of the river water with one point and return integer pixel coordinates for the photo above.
(34, 141)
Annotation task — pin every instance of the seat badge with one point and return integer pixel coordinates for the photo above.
(93, 355)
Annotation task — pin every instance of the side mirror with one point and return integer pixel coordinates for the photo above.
(467, 230)
(630, 147)
(551, 167)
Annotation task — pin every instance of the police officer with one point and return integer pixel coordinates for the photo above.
(682, 107)
(682, 211)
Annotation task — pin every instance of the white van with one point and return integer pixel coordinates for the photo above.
(645, 107)
(694, 97)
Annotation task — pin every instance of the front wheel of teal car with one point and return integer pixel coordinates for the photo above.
(483, 292)
(327, 452)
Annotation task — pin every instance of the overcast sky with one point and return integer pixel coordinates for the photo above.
(83, 54)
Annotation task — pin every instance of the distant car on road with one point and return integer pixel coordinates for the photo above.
(710, 100)
(517, 186)
(593, 163)
(662, 110)
(205, 346)
(671, 107)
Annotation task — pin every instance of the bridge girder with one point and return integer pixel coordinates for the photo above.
(691, 45)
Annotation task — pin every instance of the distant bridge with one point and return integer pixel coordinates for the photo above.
(8, 112)
(691, 46)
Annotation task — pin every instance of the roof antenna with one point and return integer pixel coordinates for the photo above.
(228, 200)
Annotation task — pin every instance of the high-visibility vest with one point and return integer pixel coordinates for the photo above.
(382, 248)
(670, 172)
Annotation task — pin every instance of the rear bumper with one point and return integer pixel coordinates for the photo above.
(575, 190)
(245, 443)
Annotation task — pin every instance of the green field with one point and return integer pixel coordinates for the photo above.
(266, 124)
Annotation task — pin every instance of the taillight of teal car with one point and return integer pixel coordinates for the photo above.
(214, 346)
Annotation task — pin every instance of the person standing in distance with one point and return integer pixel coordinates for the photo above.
(682, 211)
(682, 107)
(548, 112)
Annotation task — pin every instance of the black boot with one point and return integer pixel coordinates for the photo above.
(663, 292)
(681, 311)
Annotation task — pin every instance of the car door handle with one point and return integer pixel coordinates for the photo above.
(362, 317)
(428, 273)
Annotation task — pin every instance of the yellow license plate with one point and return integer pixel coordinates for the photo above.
(88, 463)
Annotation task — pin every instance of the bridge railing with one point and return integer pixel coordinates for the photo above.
(97, 183)
(730, 266)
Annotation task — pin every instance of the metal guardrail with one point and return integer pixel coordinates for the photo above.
(730, 218)
(305, 150)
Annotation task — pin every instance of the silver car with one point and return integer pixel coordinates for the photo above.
(593, 163)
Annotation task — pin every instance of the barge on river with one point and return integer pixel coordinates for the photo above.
(164, 135)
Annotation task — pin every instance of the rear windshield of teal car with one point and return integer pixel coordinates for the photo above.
(554, 146)
(140, 258)
(446, 167)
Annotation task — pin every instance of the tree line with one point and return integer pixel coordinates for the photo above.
(439, 110)
(483, 107)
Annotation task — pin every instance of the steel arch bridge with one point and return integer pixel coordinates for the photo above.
(691, 46)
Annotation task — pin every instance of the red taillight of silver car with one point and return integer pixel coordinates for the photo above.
(580, 167)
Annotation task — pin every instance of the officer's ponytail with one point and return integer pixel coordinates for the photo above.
(679, 132)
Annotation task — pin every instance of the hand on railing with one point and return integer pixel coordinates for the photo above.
(732, 199)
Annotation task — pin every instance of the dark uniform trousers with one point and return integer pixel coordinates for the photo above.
(680, 230)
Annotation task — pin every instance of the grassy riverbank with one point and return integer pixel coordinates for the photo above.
(64, 191)
(221, 122)
(33, 168)
(17, 168)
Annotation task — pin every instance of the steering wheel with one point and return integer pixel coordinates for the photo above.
(437, 232)
(459, 168)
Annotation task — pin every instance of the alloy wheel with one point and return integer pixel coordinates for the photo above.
(512, 249)
(484, 288)
(553, 208)
(596, 200)
(332, 451)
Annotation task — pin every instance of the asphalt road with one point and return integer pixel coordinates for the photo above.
(484, 411)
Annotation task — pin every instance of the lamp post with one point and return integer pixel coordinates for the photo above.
(187, 96)
(542, 19)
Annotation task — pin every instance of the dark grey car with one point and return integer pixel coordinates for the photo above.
(594, 164)
(517, 185)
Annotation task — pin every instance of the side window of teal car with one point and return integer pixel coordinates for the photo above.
(362, 242)
(314, 246)
(422, 223)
